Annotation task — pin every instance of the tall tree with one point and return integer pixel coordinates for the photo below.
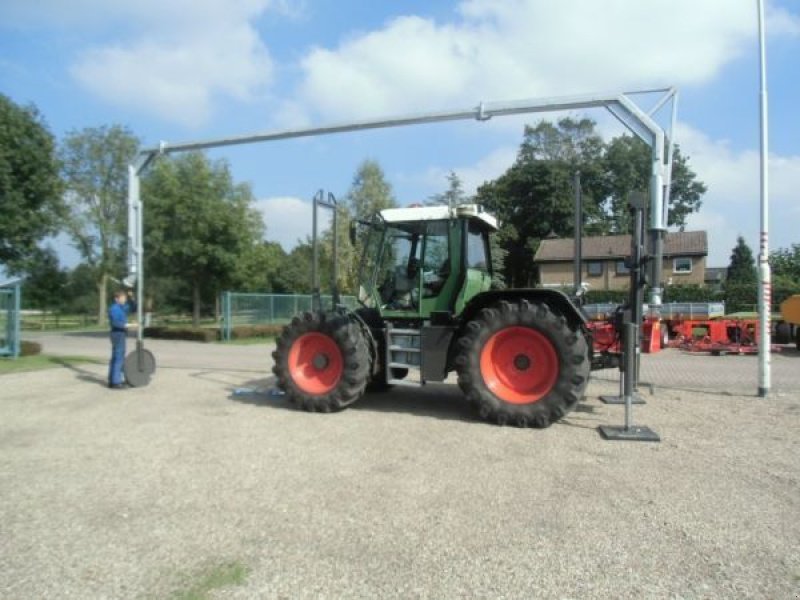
(742, 268)
(454, 195)
(198, 224)
(628, 167)
(95, 167)
(785, 263)
(370, 192)
(30, 186)
(45, 282)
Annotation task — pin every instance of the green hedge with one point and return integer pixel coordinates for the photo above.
(207, 334)
(28, 348)
(190, 334)
(240, 332)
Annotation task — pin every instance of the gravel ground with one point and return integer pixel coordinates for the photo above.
(139, 493)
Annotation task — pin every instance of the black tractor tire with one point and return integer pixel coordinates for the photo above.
(322, 361)
(509, 339)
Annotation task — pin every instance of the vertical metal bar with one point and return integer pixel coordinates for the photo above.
(764, 273)
(17, 321)
(636, 291)
(314, 253)
(578, 255)
(137, 202)
(335, 288)
(628, 375)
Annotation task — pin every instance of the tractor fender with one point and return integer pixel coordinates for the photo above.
(555, 299)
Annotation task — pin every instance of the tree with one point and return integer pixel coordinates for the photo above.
(628, 169)
(785, 263)
(30, 186)
(95, 168)
(742, 268)
(198, 224)
(260, 267)
(534, 198)
(45, 282)
(370, 192)
(454, 195)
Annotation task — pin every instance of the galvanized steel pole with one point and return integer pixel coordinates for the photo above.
(764, 274)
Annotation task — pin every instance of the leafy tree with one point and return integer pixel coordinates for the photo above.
(30, 186)
(198, 225)
(785, 263)
(742, 268)
(95, 168)
(454, 195)
(260, 267)
(534, 198)
(45, 282)
(370, 192)
(628, 167)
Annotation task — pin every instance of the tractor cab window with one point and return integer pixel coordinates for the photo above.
(477, 256)
(436, 262)
(399, 268)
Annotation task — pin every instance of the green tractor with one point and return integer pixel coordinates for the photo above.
(427, 308)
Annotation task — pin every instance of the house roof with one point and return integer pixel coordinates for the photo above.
(676, 243)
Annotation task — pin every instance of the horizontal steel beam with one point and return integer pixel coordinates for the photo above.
(482, 112)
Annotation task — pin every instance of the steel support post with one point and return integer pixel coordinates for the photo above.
(578, 254)
(764, 273)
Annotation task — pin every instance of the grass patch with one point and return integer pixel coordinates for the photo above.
(42, 361)
(226, 575)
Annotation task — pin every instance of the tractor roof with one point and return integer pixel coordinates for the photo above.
(439, 213)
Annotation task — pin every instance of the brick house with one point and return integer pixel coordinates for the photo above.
(604, 260)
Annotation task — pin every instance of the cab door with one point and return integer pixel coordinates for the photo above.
(477, 263)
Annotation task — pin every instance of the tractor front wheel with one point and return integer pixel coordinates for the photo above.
(522, 364)
(321, 362)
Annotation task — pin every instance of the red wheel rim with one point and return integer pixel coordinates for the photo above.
(519, 365)
(315, 363)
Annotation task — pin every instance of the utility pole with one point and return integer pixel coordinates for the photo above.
(764, 274)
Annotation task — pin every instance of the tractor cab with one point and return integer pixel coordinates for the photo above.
(421, 260)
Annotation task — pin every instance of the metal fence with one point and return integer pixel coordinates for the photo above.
(254, 309)
(10, 319)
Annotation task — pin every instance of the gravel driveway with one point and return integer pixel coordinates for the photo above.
(140, 493)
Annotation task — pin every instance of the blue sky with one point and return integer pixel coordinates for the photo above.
(193, 69)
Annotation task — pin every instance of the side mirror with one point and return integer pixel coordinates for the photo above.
(353, 232)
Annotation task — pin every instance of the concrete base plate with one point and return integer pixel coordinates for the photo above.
(639, 433)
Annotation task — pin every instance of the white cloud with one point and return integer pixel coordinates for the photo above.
(173, 59)
(472, 176)
(288, 219)
(731, 205)
(528, 48)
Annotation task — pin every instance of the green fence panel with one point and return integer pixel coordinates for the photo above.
(253, 309)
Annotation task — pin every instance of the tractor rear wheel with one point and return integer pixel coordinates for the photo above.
(322, 362)
(522, 364)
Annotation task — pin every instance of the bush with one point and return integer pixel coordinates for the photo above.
(28, 348)
(190, 334)
(240, 332)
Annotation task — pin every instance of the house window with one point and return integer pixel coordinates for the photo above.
(682, 265)
(622, 268)
(594, 268)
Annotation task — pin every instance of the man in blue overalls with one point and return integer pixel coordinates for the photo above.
(118, 318)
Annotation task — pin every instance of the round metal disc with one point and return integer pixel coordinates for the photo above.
(138, 369)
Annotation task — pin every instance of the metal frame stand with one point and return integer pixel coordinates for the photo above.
(621, 105)
(629, 373)
(316, 297)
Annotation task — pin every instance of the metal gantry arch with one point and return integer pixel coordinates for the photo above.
(622, 106)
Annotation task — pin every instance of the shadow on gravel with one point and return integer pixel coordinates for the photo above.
(86, 334)
(437, 401)
(80, 373)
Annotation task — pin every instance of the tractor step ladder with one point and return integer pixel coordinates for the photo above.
(403, 351)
